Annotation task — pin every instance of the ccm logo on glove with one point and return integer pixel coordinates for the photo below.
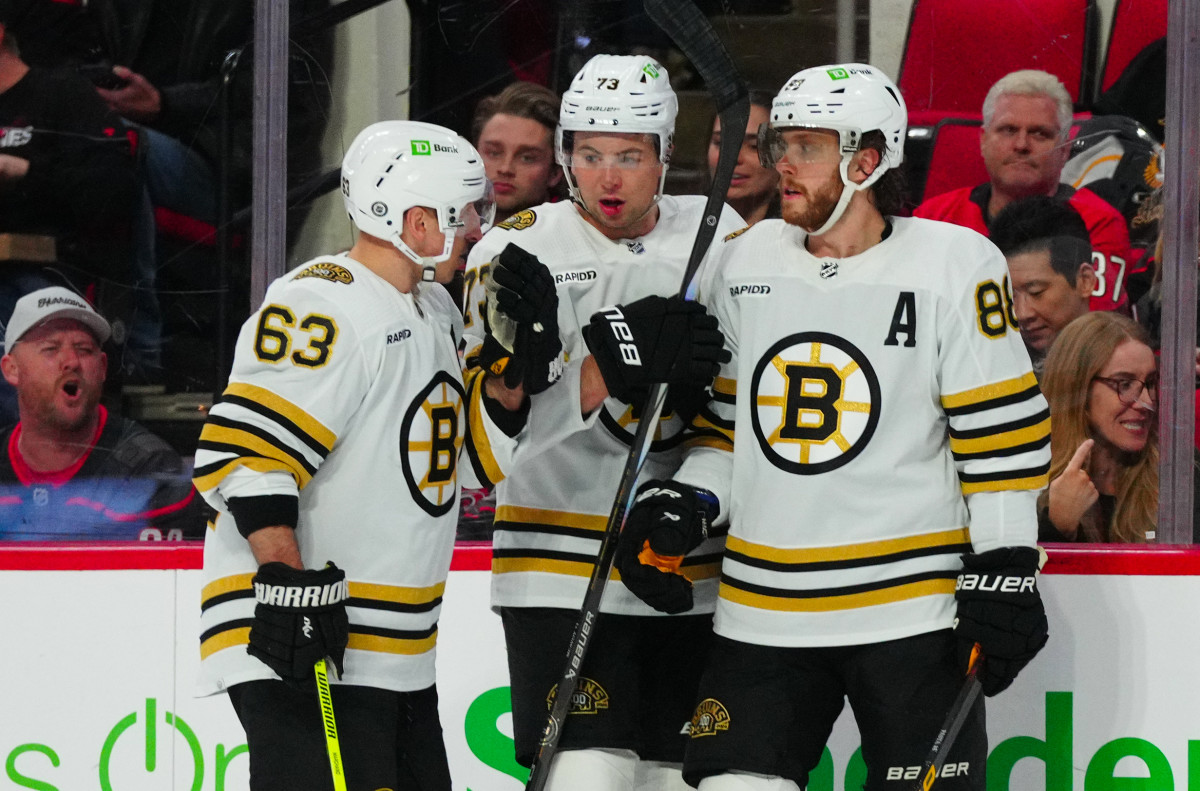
(990, 583)
(308, 596)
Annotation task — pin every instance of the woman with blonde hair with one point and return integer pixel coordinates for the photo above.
(1101, 380)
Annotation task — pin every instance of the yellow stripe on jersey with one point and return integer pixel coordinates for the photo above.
(572, 568)
(391, 645)
(213, 479)
(848, 601)
(395, 593)
(306, 422)
(701, 423)
(870, 549)
(990, 392)
(218, 587)
(1007, 485)
(720, 443)
(477, 431)
(725, 386)
(230, 638)
(1002, 440)
(257, 447)
(545, 516)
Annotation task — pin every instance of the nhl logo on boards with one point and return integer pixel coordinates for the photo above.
(710, 716)
(829, 268)
(589, 697)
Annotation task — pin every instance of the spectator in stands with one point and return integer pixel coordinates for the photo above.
(754, 190)
(66, 174)
(1049, 255)
(69, 469)
(514, 132)
(1101, 382)
(1026, 124)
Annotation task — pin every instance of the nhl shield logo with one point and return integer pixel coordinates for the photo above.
(829, 268)
(41, 496)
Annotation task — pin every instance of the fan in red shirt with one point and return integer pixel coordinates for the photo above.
(1026, 122)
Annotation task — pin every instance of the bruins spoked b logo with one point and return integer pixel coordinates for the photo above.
(430, 438)
(816, 402)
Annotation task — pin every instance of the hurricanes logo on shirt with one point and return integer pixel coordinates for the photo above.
(816, 402)
(430, 439)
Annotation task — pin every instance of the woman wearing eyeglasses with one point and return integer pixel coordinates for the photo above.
(1101, 380)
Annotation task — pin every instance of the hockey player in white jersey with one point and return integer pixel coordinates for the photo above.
(333, 460)
(619, 241)
(893, 440)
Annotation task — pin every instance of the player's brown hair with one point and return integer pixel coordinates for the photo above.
(522, 99)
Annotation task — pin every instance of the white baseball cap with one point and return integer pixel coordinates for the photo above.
(55, 302)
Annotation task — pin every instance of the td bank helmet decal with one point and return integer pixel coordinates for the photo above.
(816, 402)
(430, 438)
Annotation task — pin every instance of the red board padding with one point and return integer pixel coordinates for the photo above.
(477, 556)
(80, 556)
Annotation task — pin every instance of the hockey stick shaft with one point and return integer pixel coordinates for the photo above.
(955, 719)
(692, 33)
(332, 745)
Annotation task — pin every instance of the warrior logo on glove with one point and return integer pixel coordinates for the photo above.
(300, 618)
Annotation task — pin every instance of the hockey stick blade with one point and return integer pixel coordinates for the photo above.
(692, 33)
(955, 719)
(332, 745)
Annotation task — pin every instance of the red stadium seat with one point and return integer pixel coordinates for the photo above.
(955, 160)
(1136, 23)
(956, 50)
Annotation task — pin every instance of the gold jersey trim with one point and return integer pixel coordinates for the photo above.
(849, 601)
(870, 549)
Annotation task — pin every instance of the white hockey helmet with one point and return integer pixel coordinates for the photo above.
(850, 99)
(617, 93)
(393, 166)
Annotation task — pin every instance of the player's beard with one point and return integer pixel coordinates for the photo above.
(816, 207)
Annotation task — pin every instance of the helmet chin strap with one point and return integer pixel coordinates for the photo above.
(427, 263)
(848, 190)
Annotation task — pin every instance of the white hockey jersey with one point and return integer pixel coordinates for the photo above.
(887, 421)
(553, 506)
(350, 393)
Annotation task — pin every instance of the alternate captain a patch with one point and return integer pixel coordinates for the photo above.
(334, 273)
(519, 221)
(816, 402)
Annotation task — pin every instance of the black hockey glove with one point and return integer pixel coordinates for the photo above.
(655, 340)
(523, 343)
(300, 618)
(667, 521)
(1000, 608)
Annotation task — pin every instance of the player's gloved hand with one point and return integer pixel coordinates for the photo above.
(522, 309)
(300, 618)
(1000, 608)
(667, 521)
(655, 340)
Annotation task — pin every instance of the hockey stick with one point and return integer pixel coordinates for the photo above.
(692, 33)
(955, 719)
(332, 745)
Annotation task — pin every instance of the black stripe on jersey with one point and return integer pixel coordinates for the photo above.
(718, 421)
(1002, 428)
(725, 398)
(553, 530)
(264, 435)
(818, 593)
(995, 403)
(1004, 475)
(395, 634)
(238, 450)
(206, 469)
(1015, 450)
(849, 563)
(546, 554)
(227, 626)
(279, 419)
(221, 598)
(392, 606)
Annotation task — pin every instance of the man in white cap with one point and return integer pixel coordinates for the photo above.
(68, 469)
